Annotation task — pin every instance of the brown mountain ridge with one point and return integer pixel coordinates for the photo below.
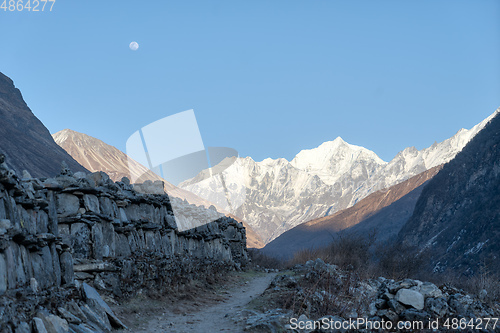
(96, 155)
(384, 211)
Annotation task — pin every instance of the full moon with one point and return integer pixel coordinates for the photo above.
(134, 46)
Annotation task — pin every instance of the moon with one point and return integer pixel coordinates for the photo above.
(134, 46)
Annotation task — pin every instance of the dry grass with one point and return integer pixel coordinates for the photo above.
(349, 253)
(302, 256)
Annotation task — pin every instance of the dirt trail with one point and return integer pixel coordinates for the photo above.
(216, 317)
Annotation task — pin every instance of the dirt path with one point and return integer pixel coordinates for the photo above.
(216, 317)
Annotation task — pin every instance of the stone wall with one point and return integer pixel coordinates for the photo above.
(74, 228)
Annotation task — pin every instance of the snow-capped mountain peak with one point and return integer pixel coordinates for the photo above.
(333, 159)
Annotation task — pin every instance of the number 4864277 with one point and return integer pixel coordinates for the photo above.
(27, 5)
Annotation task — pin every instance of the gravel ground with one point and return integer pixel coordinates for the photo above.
(198, 313)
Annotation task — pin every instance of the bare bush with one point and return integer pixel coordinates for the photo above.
(319, 293)
(302, 256)
(400, 262)
(350, 252)
(262, 260)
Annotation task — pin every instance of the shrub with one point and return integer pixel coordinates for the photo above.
(262, 260)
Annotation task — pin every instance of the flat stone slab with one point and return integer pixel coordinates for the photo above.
(91, 293)
(410, 297)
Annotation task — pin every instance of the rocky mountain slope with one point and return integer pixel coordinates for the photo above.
(383, 212)
(96, 155)
(278, 195)
(25, 140)
(457, 217)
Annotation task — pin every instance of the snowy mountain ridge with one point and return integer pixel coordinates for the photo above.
(277, 194)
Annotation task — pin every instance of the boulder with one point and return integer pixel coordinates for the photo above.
(410, 297)
(98, 178)
(92, 294)
(76, 311)
(460, 303)
(67, 204)
(436, 306)
(94, 319)
(404, 284)
(91, 203)
(5, 224)
(80, 240)
(53, 323)
(70, 318)
(79, 175)
(3, 213)
(3, 274)
(97, 241)
(38, 326)
(67, 274)
(429, 290)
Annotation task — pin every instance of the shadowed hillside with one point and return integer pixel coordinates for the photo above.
(25, 140)
(457, 217)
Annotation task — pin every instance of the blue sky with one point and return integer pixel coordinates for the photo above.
(267, 78)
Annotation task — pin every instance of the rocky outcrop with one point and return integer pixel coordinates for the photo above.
(457, 217)
(60, 236)
(24, 139)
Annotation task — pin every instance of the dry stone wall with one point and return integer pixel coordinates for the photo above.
(58, 233)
